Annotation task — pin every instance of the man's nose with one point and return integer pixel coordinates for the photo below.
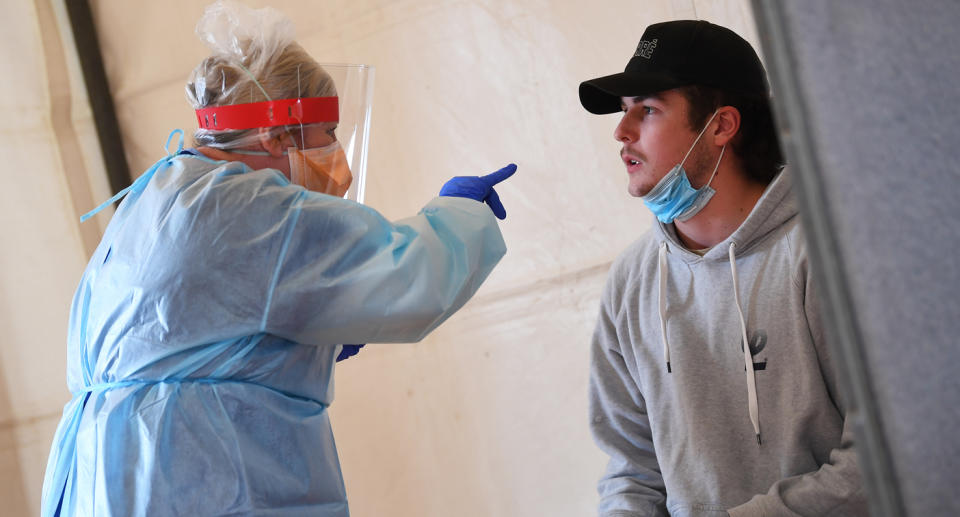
(624, 131)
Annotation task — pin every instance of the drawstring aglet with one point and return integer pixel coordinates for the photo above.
(668, 367)
(758, 439)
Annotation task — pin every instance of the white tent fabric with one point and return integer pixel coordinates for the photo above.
(488, 414)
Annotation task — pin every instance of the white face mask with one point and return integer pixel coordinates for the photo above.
(673, 197)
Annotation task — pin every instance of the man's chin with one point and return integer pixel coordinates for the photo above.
(638, 190)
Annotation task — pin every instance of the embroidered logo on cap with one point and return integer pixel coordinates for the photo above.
(645, 48)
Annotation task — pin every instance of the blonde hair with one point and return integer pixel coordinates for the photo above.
(221, 80)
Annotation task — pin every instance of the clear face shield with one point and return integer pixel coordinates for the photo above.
(338, 168)
(355, 93)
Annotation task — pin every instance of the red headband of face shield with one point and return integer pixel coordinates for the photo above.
(283, 112)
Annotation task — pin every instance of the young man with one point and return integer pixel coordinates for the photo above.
(695, 422)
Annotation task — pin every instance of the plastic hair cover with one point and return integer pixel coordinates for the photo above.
(254, 58)
(249, 36)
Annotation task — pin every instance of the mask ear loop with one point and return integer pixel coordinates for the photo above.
(715, 169)
(702, 131)
(303, 142)
(255, 81)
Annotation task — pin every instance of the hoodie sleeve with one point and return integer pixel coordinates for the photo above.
(835, 489)
(632, 484)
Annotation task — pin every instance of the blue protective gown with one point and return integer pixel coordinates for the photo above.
(203, 335)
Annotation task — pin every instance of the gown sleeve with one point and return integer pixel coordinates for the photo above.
(344, 274)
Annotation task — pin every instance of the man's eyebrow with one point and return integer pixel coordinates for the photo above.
(656, 96)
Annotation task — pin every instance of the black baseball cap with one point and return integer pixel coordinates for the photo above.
(680, 53)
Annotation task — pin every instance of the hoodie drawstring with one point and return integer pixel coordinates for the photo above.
(663, 303)
(663, 271)
(747, 356)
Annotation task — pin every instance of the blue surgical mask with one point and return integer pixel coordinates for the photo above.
(673, 197)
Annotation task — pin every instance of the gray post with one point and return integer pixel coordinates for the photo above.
(867, 94)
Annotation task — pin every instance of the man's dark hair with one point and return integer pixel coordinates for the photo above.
(756, 144)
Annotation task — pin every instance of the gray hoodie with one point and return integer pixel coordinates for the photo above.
(683, 439)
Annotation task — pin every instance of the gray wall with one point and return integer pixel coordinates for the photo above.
(869, 104)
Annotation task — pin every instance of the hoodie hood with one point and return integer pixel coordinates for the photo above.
(776, 207)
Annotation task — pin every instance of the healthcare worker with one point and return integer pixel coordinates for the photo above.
(206, 327)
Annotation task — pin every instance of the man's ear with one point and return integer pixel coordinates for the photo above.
(271, 142)
(728, 124)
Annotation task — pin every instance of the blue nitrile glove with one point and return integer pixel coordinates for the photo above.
(480, 188)
(349, 351)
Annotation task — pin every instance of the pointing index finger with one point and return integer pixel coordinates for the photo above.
(502, 174)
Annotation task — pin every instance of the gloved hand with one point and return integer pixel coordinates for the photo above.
(480, 188)
(349, 351)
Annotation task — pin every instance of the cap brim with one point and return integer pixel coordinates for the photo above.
(602, 95)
